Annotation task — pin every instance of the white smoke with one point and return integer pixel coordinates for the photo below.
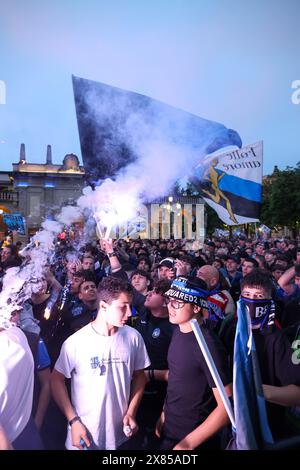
(162, 152)
(68, 215)
(20, 283)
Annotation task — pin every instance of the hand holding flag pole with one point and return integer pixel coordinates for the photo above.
(212, 368)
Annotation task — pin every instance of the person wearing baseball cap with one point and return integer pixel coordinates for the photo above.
(166, 269)
(193, 412)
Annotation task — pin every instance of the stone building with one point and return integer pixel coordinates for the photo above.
(43, 188)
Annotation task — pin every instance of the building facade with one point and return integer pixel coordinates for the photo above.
(43, 189)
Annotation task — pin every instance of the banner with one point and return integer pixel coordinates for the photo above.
(231, 183)
(15, 222)
(252, 428)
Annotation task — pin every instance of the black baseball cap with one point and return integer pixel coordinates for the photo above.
(168, 262)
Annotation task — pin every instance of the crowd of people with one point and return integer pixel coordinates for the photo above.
(102, 354)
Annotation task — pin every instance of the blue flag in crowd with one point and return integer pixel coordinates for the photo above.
(15, 222)
(118, 127)
(252, 427)
(231, 183)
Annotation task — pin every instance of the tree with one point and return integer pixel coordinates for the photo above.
(213, 220)
(281, 198)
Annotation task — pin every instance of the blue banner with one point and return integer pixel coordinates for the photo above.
(15, 222)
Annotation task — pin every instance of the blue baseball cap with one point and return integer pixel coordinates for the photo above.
(189, 290)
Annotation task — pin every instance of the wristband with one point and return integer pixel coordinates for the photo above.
(110, 255)
(73, 420)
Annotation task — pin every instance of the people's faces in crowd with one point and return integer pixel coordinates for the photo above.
(155, 300)
(231, 265)
(181, 313)
(249, 251)
(283, 246)
(259, 249)
(255, 293)
(88, 263)
(5, 253)
(76, 281)
(140, 283)
(166, 273)
(277, 273)
(118, 312)
(217, 263)
(270, 257)
(247, 267)
(87, 291)
(144, 265)
(73, 265)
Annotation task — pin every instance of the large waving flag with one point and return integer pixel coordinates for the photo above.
(231, 183)
(118, 127)
(252, 428)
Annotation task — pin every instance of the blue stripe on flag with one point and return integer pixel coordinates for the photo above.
(240, 187)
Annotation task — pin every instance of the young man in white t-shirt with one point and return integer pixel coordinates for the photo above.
(105, 361)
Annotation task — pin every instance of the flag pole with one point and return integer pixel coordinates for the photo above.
(213, 370)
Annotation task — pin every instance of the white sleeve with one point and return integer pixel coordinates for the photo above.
(65, 364)
(141, 359)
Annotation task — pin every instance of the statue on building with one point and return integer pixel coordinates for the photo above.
(70, 163)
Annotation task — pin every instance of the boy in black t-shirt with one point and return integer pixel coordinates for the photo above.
(193, 411)
(156, 330)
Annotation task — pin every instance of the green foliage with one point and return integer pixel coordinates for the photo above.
(281, 198)
(213, 220)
